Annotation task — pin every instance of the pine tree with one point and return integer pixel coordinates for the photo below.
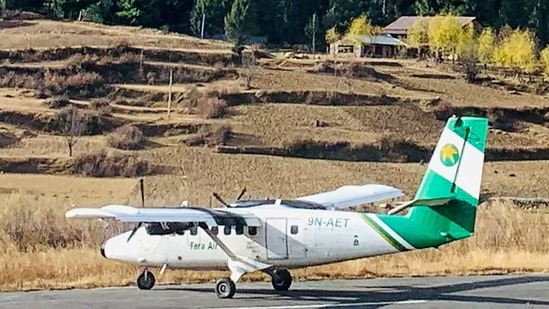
(237, 22)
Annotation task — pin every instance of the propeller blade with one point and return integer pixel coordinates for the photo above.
(134, 230)
(142, 189)
(241, 194)
(220, 199)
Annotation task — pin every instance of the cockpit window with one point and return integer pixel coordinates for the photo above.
(194, 230)
(167, 228)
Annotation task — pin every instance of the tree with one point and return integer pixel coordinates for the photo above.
(445, 33)
(332, 35)
(418, 35)
(129, 11)
(517, 51)
(72, 123)
(360, 26)
(237, 22)
(486, 45)
(544, 59)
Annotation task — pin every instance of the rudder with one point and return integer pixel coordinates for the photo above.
(455, 170)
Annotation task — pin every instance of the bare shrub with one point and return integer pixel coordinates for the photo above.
(7, 138)
(102, 106)
(102, 164)
(212, 108)
(249, 64)
(71, 121)
(210, 137)
(499, 120)
(29, 228)
(57, 102)
(470, 68)
(127, 137)
(443, 110)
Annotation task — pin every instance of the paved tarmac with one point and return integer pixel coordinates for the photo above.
(510, 291)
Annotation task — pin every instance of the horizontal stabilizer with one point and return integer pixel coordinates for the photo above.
(349, 196)
(421, 202)
(211, 217)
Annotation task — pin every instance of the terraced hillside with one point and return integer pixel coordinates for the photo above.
(280, 127)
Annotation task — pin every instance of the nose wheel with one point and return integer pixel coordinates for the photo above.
(225, 288)
(146, 280)
(281, 280)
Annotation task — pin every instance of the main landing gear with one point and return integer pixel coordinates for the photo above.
(146, 280)
(281, 280)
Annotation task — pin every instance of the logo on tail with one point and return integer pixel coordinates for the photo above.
(449, 155)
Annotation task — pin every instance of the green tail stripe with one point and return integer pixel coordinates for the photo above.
(390, 239)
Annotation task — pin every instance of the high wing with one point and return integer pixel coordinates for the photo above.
(212, 217)
(353, 195)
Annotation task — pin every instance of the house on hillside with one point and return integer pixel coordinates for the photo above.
(384, 46)
(399, 28)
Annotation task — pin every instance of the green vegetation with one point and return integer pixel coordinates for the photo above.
(285, 21)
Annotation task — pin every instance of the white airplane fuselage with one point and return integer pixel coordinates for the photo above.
(288, 238)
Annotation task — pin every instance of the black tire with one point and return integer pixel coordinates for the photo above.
(282, 280)
(146, 280)
(225, 288)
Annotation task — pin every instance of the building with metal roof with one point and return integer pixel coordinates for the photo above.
(399, 27)
(384, 46)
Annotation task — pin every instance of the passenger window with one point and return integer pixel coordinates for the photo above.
(239, 229)
(194, 230)
(227, 230)
(294, 229)
(215, 230)
(252, 230)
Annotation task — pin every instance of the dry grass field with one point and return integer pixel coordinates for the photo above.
(370, 120)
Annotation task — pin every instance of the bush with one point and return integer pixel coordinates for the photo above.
(102, 106)
(58, 102)
(212, 108)
(127, 137)
(7, 138)
(101, 164)
(210, 137)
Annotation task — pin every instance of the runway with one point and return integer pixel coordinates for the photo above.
(510, 291)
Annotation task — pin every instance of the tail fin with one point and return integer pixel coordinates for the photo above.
(454, 176)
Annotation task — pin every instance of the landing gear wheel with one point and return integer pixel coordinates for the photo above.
(225, 288)
(282, 280)
(146, 280)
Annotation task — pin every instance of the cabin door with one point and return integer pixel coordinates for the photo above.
(276, 238)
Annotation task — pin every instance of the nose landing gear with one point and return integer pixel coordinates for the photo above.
(146, 280)
(281, 279)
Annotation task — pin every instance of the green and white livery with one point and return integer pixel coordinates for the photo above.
(280, 234)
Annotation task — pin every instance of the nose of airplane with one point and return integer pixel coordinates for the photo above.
(119, 248)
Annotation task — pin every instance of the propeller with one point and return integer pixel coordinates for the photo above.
(142, 190)
(223, 202)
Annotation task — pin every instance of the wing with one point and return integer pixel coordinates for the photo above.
(212, 217)
(348, 196)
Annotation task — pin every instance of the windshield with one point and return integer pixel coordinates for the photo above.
(167, 228)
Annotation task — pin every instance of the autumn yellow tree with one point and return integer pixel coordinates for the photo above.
(361, 25)
(544, 59)
(332, 35)
(517, 51)
(417, 35)
(486, 45)
(446, 33)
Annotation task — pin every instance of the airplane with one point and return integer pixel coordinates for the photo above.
(276, 235)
